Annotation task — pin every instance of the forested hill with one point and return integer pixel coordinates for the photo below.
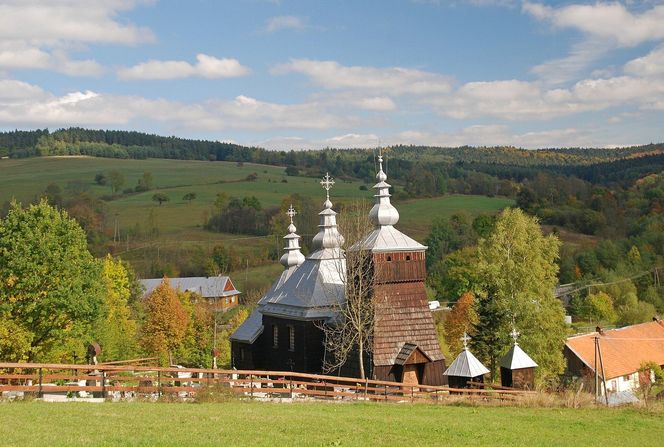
(618, 165)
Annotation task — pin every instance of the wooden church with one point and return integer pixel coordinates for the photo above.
(283, 333)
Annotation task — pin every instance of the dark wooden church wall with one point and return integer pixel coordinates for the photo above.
(433, 373)
(307, 355)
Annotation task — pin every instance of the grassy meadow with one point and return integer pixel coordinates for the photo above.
(321, 424)
(180, 223)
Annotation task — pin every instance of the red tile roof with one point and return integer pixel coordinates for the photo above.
(623, 350)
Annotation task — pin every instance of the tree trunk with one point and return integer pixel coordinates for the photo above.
(361, 363)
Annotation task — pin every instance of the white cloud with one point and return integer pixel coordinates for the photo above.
(208, 67)
(50, 21)
(605, 25)
(13, 92)
(476, 135)
(612, 21)
(25, 104)
(531, 101)
(582, 55)
(388, 81)
(651, 64)
(38, 34)
(18, 55)
(345, 141)
(279, 23)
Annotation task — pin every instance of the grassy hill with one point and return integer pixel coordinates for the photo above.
(322, 424)
(180, 223)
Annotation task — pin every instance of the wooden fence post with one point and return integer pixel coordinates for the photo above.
(40, 393)
(290, 385)
(366, 388)
(385, 392)
(158, 384)
(251, 385)
(103, 384)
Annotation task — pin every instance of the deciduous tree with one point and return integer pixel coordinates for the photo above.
(166, 321)
(116, 329)
(461, 319)
(517, 274)
(160, 197)
(50, 285)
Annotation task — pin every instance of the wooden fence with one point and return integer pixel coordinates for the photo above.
(119, 382)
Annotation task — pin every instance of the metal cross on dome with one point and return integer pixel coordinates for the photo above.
(465, 339)
(327, 183)
(291, 213)
(514, 334)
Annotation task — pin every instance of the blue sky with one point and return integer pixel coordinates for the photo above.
(307, 74)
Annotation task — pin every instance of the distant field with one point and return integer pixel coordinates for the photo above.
(321, 424)
(180, 222)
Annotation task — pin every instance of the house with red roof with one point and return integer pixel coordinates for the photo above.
(617, 354)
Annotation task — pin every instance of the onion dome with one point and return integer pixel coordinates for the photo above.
(383, 213)
(292, 256)
(328, 236)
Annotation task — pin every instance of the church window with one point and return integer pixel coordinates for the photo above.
(275, 336)
(408, 258)
(291, 338)
(389, 259)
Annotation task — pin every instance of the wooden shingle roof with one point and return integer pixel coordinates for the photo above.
(403, 318)
(623, 350)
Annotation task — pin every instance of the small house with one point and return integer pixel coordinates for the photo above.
(620, 353)
(218, 291)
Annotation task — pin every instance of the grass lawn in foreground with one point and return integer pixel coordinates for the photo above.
(320, 424)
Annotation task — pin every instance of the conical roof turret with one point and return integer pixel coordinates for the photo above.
(292, 256)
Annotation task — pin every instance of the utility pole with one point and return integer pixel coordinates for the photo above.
(596, 369)
(601, 362)
(116, 230)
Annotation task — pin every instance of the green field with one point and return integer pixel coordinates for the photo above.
(180, 223)
(321, 424)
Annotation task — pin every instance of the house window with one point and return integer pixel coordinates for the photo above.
(291, 338)
(275, 336)
(627, 378)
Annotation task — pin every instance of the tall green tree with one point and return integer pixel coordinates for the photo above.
(50, 285)
(517, 274)
(116, 329)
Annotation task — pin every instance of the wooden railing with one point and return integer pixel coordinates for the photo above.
(126, 382)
